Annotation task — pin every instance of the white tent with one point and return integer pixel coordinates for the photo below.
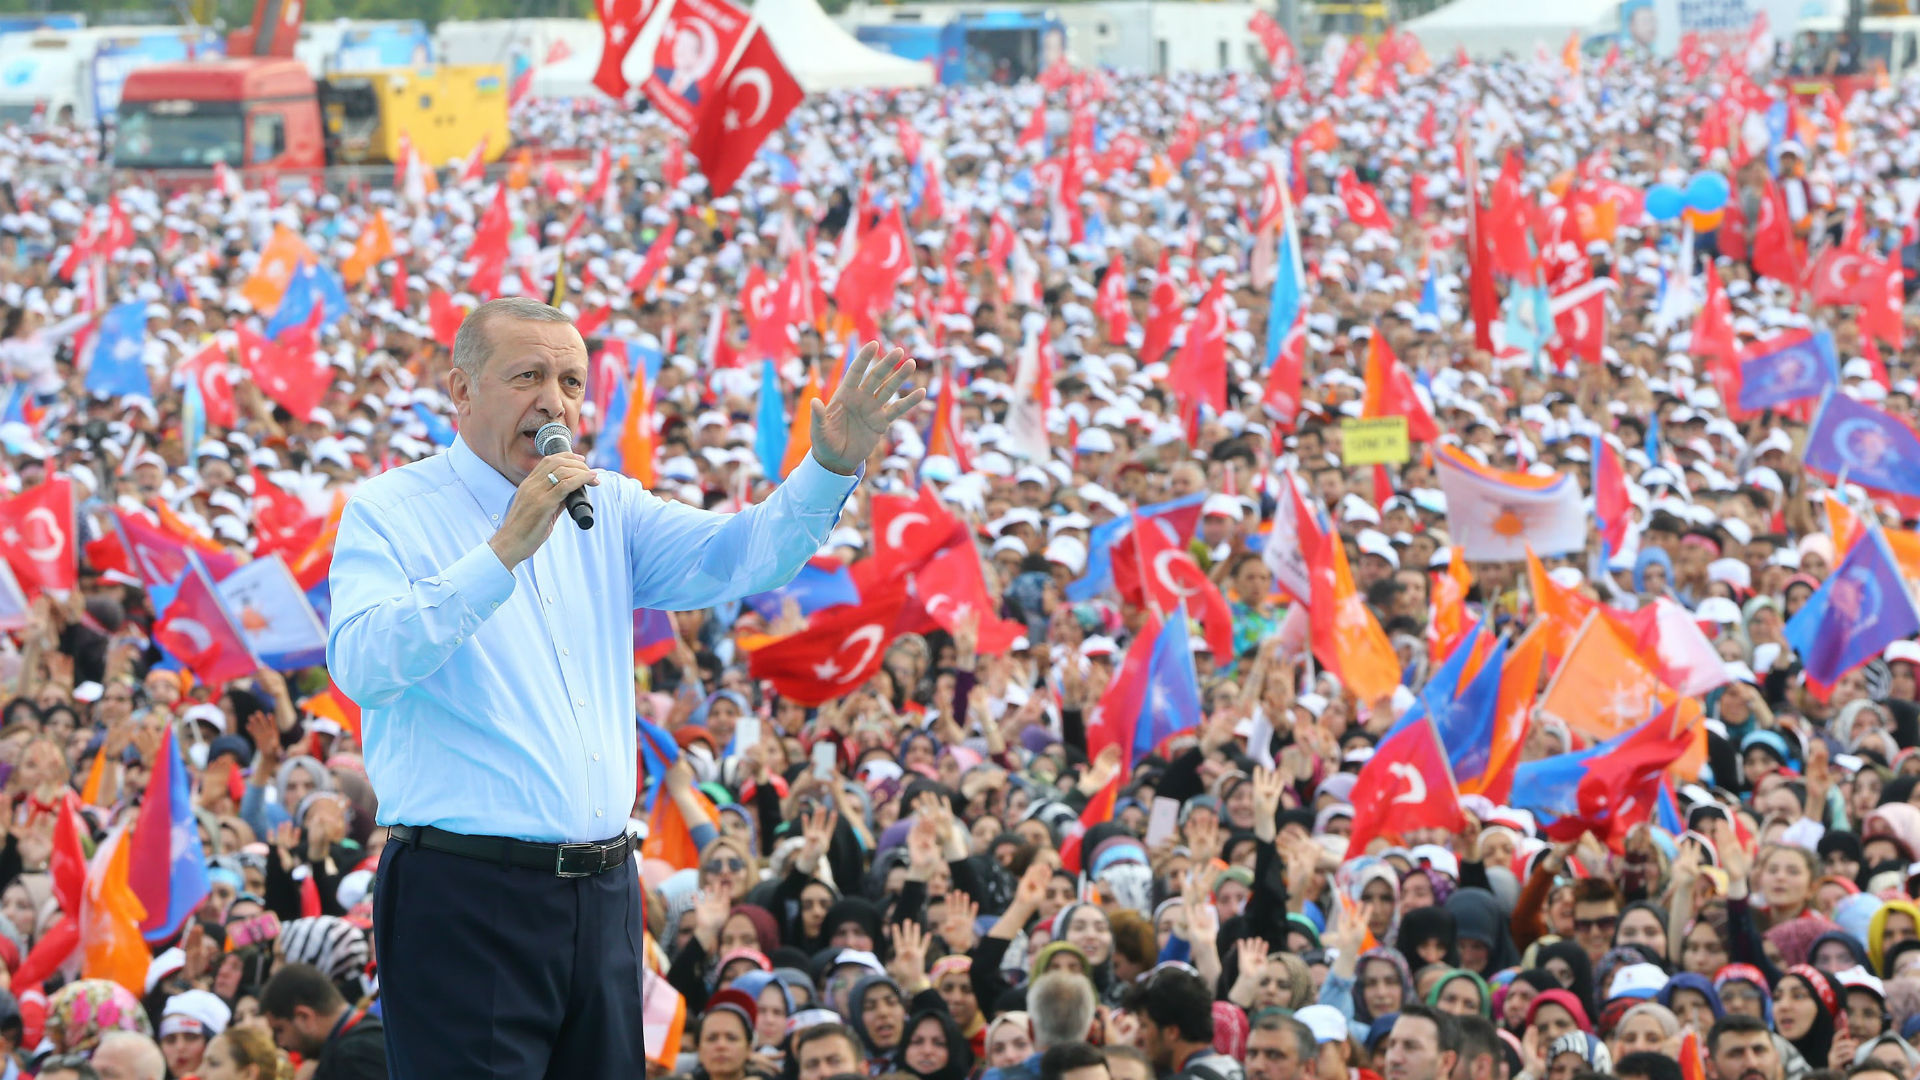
(1490, 27)
(822, 56)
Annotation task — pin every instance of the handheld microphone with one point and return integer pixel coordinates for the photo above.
(554, 439)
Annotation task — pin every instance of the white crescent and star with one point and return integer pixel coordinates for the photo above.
(56, 537)
(897, 528)
(1416, 792)
(197, 634)
(1161, 571)
(762, 85)
(869, 638)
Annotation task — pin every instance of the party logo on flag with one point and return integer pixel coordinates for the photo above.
(1494, 515)
(274, 614)
(1869, 446)
(1860, 609)
(1787, 367)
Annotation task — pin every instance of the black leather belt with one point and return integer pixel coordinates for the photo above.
(560, 860)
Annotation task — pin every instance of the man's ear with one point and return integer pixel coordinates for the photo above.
(459, 388)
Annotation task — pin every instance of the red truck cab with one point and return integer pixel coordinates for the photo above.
(248, 113)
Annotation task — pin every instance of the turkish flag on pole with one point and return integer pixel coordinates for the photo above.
(1199, 372)
(952, 587)
(657, 253)
(1713, 328)
(1036, 128)
(908, 531)
(197, 629)
(1406, 785)
(37, 538)
(1776, 251)
(1848, 277)
(1580, 318)
(620, 25)
(208, 368)
(748, 105)
(1363, 203)
(285, 370)
(1150, 556)
(1163, 313)
(1884, 318)
(839, 650)
(1286, 380)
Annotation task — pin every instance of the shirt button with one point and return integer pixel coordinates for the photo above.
(549, 599)
(597, 812)
(458, 640)
(581, 703)
(596, 757)
(566, 652)
(496, 605)
(496, 517)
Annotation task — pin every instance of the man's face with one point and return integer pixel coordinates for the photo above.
(1153, 1041)
(298, 1033)
(1128, 1069)
(1593, 924)
(534, 373)
(1271, 1055)
(822, 1058)
(1413, 1051)
(1745, 1055)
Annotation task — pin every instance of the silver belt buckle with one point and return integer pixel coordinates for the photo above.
(560, 861)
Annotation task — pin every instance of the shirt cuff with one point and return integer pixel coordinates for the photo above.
(481, 580)
(818, 487)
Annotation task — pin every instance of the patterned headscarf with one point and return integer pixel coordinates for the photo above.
(79, 1013)
(1230, 1030)
(332, 944)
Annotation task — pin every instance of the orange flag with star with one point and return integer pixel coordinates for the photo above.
(1560, 610)
(268, 282)
(1448, 624)
(1368, 663)
(375, 244)
(110, 943)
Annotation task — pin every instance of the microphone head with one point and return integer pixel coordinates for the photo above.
(553, 438)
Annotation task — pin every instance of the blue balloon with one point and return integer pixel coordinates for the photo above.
(1707, 192)
(1664, 202)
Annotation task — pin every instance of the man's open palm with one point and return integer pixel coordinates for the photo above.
(847, 428)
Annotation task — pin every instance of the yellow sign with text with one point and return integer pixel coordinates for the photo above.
(1380, 441)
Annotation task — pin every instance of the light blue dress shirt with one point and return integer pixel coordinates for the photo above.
(502, 704)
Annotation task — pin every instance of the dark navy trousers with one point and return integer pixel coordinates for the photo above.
(498, 971)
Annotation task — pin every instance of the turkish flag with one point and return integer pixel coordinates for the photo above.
(1036, 128)
(208, 369)
(284, 370)
(1848, 277)
(837, 653)
(196, 629)
(1390, 392)
(37, 537)
(1112, 305)
(691, 59)
(1776, 251)
(620, 23)
(1163, 313)
(1884, 318)
(444, 317)
(763, 305)
(1286, 379)
(1581, 321)
(1150, 563)
(279, 517)
(1272, 201)
(1199, 372)
(1363, 203)
(884, 256)
(952, 586)
(908, 531)
(747, 106)
(1406, 785)
(1713, 327)
(657, 253)
(159, 557)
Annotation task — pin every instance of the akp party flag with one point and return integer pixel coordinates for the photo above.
(1153, 696)
(111, 946)
(197, 629)
(800, 434)
(274, 614)
(1495, 515)
(670, 834)
(1860, 609)
(1362, 654)
(1519, 685)
(274, 272)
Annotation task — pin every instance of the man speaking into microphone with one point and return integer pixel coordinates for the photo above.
(489, 643)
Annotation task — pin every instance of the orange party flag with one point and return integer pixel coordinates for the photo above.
(636, 434)
(268, 282)
(1603, 687)
(1367, 661)
(1448, 623)
(1519, 685)
(669, 837)
(110, 915)
(1561, 610)
(800, 436)
(375, 244)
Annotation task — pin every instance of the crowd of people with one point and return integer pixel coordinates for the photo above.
(922, 897)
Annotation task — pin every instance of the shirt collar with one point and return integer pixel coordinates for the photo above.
(491, 489)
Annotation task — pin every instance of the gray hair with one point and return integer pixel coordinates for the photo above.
(471, 346)
(150, 1062)
(1061, 1004)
